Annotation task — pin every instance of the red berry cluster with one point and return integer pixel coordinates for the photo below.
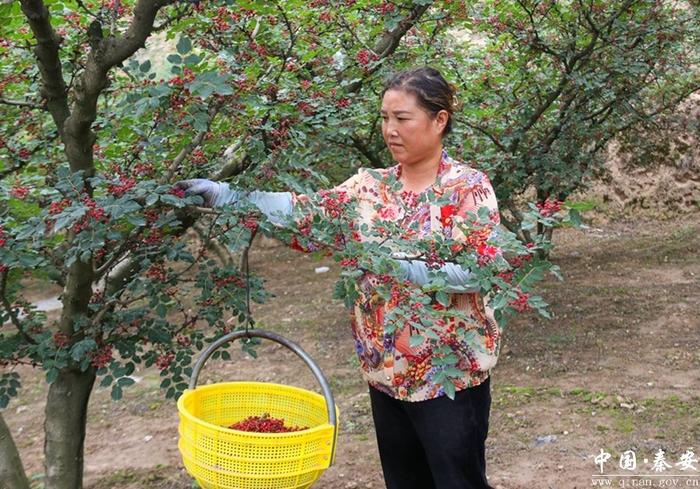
(157, 273)
(221, 19)
(187, 77)
(143, 169)
(497, 24)
(94, 213)
(385, 8)
(58, 206)
(549, 207)
(154, 237)
(229, 279)
(198, 157)
(348, 262)
(101, 357)
(100, 254)
(152, 215)
(177, 192)
(398, 294)
(9, 80)
(507, 275)
(250, 223)
(306, 108)
(259, 49)
(19, 192)
(520, 304)
(433, 258)
(60, 339)
(518, 260)
(123, 186)
(117, 6)
(164, 360)
(278, 136)
(365, 57)
(3, 240)
(271, 90)
(264, 424)
(342, 103)
(333, 202)
(24, 153)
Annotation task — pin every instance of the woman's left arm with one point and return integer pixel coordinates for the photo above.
(470, 198)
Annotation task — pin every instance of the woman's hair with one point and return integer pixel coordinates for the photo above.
(430, 88)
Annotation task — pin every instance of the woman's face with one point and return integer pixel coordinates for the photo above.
(411, 133)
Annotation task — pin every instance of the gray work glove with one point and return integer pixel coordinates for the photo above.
(215, 194)
(275, 205)
(416, 271)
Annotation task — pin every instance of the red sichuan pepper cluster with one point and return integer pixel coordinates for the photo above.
(265, 424)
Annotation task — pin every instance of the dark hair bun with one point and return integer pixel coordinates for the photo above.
(430, 88)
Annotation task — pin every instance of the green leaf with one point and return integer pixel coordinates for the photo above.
(416, 340)
(442, 298)
(575, 217)
(453, 372)
(161, 310)
(51, 375)
(192, 59)
(159, 334)
(449, 388)
(125, 382)
(81, 348)
(145, 66)
(184, 45)
(174, 59)
(116, 392)
(500, 301)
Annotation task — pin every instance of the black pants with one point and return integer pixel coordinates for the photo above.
(434, 444)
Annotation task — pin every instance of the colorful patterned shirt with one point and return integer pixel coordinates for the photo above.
(388, 362)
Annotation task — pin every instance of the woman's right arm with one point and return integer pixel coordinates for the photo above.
(276, 206)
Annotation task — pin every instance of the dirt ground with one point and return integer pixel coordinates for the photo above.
(617, 368)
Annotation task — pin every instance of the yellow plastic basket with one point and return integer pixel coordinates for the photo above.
(222, 458)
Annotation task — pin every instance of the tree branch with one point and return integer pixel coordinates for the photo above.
(116, 49)
(20, 103)
(53, 88)
(12, 474)
(8, 307)
(389, 41)
(184, 152)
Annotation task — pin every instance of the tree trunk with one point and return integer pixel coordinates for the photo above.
(64, 427)
(12, 474)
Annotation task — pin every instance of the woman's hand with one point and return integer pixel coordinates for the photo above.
(215, 194)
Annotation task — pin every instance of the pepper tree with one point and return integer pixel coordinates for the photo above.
(95, 130)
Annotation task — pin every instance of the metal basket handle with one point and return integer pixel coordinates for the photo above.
(261, 333)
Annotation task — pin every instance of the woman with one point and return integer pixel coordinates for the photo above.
(426, 440)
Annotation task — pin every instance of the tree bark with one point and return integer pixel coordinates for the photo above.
(53, 88)
(64, 427)
(12, 475)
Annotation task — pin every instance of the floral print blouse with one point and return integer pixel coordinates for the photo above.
(388, 362)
